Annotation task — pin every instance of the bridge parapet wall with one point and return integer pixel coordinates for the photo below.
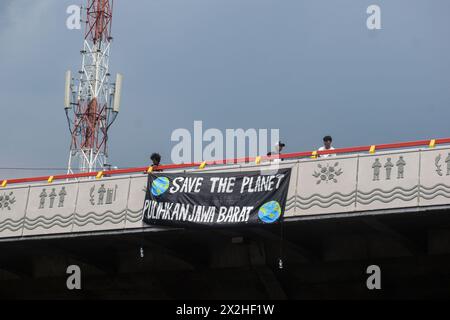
(333, 185)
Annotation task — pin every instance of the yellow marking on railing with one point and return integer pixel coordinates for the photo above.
(203, 165)
(4, 183)
(314, 155)
(258, 160)
(372, 149)
(433, 143)
(99, 175)
(150, 169)
(50, 179)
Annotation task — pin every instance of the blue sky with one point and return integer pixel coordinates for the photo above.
(307, 67)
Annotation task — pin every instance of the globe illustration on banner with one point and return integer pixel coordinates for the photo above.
(270, 212)
(159, 186)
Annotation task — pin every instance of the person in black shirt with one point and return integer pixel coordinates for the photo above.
(156, 161)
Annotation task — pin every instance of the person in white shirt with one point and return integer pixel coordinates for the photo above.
(278, 148)
(327, 145)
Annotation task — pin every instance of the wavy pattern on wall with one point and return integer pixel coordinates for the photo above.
(134, 216)
(440, 189)
(61, 221)
(397, 193)
(100, 218)
(48, 222)
(291, 201)
(317, 200)
(337, 199)
(11, 225)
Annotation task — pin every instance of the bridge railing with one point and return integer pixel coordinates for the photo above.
(313, 154)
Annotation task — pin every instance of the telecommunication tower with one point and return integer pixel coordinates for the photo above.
(92, 103)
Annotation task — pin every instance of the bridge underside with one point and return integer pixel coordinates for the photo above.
(323, 258)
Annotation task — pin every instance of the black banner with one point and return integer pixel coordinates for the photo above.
(216, 199)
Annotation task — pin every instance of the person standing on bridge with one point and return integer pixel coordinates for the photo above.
(327, 145)
(278, 148)
(156, 161)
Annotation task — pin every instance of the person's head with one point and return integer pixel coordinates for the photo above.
(280, 146)
(156, 159)
(327, 141)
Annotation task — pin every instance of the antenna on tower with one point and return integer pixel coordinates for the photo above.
(68, 91)
(91, 102)
(118, 93)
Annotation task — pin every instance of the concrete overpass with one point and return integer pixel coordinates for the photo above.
(344, 213)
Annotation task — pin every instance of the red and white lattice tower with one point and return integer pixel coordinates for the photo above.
(92, 103)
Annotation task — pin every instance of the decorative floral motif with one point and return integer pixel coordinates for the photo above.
(6, 201)
(438, 165)
(328, 173)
